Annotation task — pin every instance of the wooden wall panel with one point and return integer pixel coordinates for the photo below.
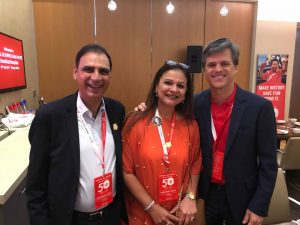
(62, 27)
(126, 33)
(237, 26)
(173, 32)
(139, 35)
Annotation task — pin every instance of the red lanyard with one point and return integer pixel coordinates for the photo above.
(103, 133)
(166, 145)
(172, 130)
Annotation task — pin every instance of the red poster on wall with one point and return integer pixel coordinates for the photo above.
(12, 67)
(271, 80)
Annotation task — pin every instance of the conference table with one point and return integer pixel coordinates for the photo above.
(285, 130)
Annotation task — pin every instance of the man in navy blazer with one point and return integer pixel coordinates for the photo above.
(75, 168)
(238, 141)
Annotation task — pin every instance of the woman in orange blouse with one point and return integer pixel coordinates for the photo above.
(161, 153)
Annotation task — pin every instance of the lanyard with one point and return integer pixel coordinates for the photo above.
(103, 133)
(100, 160)
(213, 128)
(166, 145)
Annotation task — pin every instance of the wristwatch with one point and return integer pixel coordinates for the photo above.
(191, 196)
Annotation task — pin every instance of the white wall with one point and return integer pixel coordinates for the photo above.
(273, 37)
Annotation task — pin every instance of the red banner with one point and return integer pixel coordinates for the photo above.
(12, 72)
(271, 80)
(276, 94)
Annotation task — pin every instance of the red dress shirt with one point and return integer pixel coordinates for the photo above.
(221, 118)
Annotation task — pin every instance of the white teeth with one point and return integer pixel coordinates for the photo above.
(218, 75)
(172, 97)
(94, 86)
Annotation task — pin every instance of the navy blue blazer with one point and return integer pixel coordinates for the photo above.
(53, 172)
(250, 166)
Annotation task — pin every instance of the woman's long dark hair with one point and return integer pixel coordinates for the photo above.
(184, 108)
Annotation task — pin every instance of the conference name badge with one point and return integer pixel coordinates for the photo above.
(103, 190)
(167, 186)
(217, 165)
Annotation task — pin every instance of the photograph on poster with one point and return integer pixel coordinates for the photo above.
(271, 80)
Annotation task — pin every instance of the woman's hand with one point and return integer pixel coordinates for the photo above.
(141, 107)
(188, 211)
(161, 216)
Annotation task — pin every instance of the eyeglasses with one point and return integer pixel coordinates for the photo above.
(173, 63)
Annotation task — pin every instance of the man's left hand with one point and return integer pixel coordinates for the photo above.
(251, 218)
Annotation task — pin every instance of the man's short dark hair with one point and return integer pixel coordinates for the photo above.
(220, 45)
(274, 60)
(95, 48)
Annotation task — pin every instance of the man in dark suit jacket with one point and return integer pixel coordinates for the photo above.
(238, 141)
(75, 168)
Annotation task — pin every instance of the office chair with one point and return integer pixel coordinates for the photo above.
(289, 158)
(279, 211)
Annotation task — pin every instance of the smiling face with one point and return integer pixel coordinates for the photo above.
(219, 70)
(171, 88)
(93, 78)
(274, 66)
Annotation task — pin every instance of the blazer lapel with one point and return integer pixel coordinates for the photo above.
(72, 124)
(113, 121)
(236, 117)
(207, 117)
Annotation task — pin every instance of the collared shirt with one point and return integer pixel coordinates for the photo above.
(90, 160)
(221, 118)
